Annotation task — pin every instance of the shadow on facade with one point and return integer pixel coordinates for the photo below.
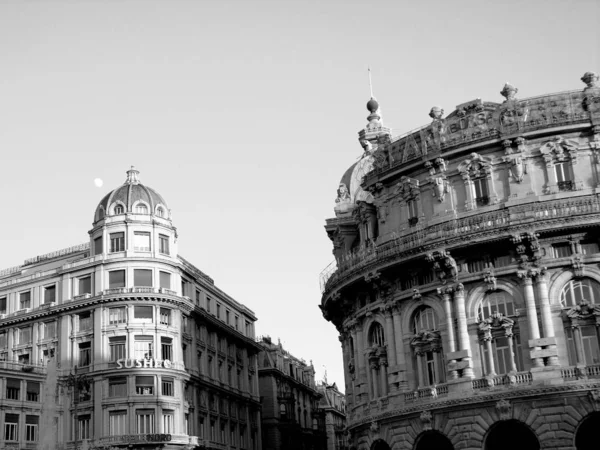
(380, 444)
(433, 440)
(511, 434)
(587, 434)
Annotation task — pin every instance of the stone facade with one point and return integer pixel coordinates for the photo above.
(333, 405)
(466, 281)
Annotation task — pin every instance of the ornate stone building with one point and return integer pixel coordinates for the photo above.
(291, 418)
(122, 343)
(333, 405)
(466, 282)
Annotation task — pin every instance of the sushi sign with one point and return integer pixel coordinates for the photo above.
(149, 363)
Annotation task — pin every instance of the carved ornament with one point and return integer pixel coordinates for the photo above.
(490, 280)
(504, 409)
(476, 166)
(444, 265)
(407, 188)
(426, 419)
(559, 149)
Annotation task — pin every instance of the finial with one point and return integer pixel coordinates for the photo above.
(590, 78)
(372, 104)
(132, 176)
(370, 84)
(509, 91)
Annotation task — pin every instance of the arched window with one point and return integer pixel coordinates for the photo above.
(376, 336)
(577, 291)
(425, 320)
(100, 213)
(160, 212)
(140, 208)
(119, 209)
(496, 302)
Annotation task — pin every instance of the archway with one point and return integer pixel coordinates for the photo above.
(587, 432)
(380, 444)
(433, 440)
(511, 434)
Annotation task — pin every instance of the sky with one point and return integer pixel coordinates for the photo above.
(244, 116)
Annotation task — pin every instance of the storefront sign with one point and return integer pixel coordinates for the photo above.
(143, 363)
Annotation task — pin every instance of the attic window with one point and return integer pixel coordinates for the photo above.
(160, 212)
(119, 209)
(140, 208)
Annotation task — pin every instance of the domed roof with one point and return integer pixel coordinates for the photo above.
(130, 195)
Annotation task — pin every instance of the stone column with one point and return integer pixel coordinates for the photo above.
(374, 382)
(578, 344)
(534, 330)
(399, 344)
(463, 332)
(490, 355)
(384, 383)
(421, 379)
(450, 344)
(389, 331)
(547, 325)
(513, 365)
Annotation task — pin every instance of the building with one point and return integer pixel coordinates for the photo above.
(291, 418)
(466, 282)
(150, 353)
(333, 405)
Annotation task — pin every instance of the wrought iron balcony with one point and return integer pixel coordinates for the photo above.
(413, 221)
(567, 185)
(482, 201)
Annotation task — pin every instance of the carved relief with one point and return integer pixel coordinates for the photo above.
(426, 419)
(559, 148)
(441, 187)
(528, 249)
(476, 166)
(504, 409)
(444, 265)
(515, 159)
(490, 280)
(343, 196)
(407, 188)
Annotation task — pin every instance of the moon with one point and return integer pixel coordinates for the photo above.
(98, 182)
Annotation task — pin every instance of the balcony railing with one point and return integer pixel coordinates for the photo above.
(22, 367)
(147, 438)
(566, 185)
(577, 373)
(518, 378)
(430, 392)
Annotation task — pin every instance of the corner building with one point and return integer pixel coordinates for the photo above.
(466, 281)
(122, 343)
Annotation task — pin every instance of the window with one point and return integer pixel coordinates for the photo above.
(141, 241)
(13, 389)
(118, 348)
(85, 353)
(117, 387)
(117, 315)
(165, 316)
(376, 336)
(562, 250)
(116, 279)
(163, 242)
(198, 297)
(160, 212)
(142, 277)
(168, 422)
(481, 191)
(476, 266)
(166, 346)
(85, 321)
(50, 294)
(144, 421)
(425, 320)
(165, 280)
(25, 299)
(119, 209)
(100, 213)
(227, 317)
(2, 305)
(413, 213)
(23, 358)
(142, 347)
(11, 427)
(577, 291)
(117, 242)
(589, 248)
(83, 427)
(208, 304)
(98, 245)
(33, 391)
(167, 387)
(140, 208)
(117, 423)
(31, 428)
(563, 176)
(496, 302)
(85, 285)
(3, 340)
(49, 330)
(237, 319)
(502, 261)
(218, 311)
(24, 336)
(143, 312)
(144, 385)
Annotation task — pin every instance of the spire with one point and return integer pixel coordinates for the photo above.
(132, 176)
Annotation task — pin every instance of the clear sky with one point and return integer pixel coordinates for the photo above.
(244, 116)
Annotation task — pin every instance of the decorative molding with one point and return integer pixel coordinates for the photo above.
(504, 408)
(426, 419)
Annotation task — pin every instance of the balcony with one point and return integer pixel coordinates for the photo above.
(568, 185)
(23, 367)
(129, 439)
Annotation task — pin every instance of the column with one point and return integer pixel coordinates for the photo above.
(383, 373)
(451, 346)
(490, 355)
(421, 380)
(578, 346)
(374, 384)
(463, 332)
(534, 330)
(389, 331)
(399, 344)
(547, 324)
(513, 365)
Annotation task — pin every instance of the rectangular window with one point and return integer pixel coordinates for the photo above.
(117, 315)
(143, 312)
(168, 422)
(197, 297)
(227, 317)
(412, 209)
(24, 358)
(589, 341)
(118, 345)
(49, 330)
(165, 280)
(144, 421)
(85, 321)
(117, 242)
(237, 319)
(142, 277)
(163, 244)
(11, 427)
(31, 428)
(85, 353)
(144, 385)
(166, 345)
(50, 294)
(476, 266)
(83, 427)
(98, 245)
(208, 304)
(117, 423)
(589, 248)
(3, 340)
(142, 347)
(165, 316)
(13, 389)
(24, 336)
(3, 305)
(481, 191)
(117, 387)
(502, 261)
(218, 311)
(562, 250)
(167, 387)
(562, 172)
(141, 241)
(85, 285)
(116, 279)
(33, 391)
(25, 300)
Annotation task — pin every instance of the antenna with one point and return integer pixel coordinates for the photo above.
(370, 84)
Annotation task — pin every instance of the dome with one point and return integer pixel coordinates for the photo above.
(350, 192)
(132, 197)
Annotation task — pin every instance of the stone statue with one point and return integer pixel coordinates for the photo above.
(343, 194)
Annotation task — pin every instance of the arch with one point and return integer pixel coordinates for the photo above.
(140, 207)
(424, 319)
(576, 291)
(558, 281)
(408, 314)
(161, 211)
(376, 335)
(477, 295)
(433, 440)
(118, 208)
(586, 434)
(100, 213)
(496, 301)
(380, 444)
(512, 434)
